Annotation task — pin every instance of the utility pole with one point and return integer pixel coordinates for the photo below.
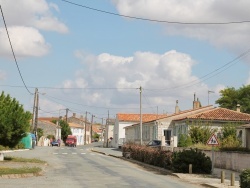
(91, 130)
(67, 110)
(140, 115)
(35, 114)
(85, 128)
(34, 109)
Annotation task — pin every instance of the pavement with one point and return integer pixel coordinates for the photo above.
(213, 180)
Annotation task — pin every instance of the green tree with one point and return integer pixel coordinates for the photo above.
(230, 97)
(184, 141)
(14, 121)
(65, 129)
(39, 133)
(200, 134)
(96, 136)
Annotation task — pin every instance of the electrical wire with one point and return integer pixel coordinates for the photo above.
(13, 51)
(205, 77)
(154, 20)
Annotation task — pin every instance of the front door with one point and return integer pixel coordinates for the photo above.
(167, 134)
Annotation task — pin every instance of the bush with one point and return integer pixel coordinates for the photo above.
(200, 162)
(152, 156)
(245, 178)
(184, 141)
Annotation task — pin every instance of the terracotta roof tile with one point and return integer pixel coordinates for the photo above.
(220, 114)
(76, 125)
(136, 117)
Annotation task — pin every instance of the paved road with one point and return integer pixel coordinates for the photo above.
(79, 167)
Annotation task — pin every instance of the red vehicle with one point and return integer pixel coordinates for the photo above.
(71, 141)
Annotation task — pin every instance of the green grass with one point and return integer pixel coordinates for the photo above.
(19, 159)
(23, 170)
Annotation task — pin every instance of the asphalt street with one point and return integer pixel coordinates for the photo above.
(80, 167)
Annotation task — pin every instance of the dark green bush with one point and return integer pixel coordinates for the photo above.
(200, 162)
(152, 156)
(245, 178)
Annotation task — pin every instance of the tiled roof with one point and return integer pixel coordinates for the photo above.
(136, 117)
(47, 118)
(222, 114)
(75, 125)
(96, 129)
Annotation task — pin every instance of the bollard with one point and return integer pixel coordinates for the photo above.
(1, 156)
(190, 168)
(222, 177)
(232, 179)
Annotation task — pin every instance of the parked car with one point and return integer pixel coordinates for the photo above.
(155, 143)
(54, 143)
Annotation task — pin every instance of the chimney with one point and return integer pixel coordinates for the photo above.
(194, 102)
(177, 109)
(238, 108)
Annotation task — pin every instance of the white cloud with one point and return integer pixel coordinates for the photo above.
(2, 75)
(24, 20)
(26, 41)
(231, 37)
(150, 70)
(29, 13)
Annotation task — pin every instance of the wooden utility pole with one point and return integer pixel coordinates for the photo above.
(91, 129)
(140, 116)
(85, 128)
(67, 110)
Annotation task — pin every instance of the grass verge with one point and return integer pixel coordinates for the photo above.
(19, 159)
(23, 170)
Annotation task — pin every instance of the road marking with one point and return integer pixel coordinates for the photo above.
(55, 153)
(74, 153)
(64, 153)
(83, 153)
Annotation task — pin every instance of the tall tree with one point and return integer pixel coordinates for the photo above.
(231, 97)
(65, 129)
(14, 121)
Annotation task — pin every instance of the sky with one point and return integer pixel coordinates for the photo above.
(93, 56)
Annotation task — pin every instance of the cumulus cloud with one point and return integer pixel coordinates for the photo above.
(231, 37)
(159, 75)
(26, 41)
(25, 19)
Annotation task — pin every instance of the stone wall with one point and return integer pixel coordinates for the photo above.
(228, 160)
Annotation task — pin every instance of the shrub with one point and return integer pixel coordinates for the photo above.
(200, 162)
(245, 178)
(184, 141)
(152, 156)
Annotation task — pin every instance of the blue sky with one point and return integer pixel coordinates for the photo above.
(86, 60)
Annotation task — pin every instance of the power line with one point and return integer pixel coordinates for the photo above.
(154, 20)
(13, 51)
(205, 77)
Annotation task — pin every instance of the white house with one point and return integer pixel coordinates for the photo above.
(124, 120)
(78, 131)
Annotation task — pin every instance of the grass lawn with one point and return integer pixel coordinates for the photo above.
(21, 170)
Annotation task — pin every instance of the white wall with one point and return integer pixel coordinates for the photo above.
(79, 133)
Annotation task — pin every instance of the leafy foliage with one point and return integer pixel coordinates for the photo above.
(39, 133)
(230, 97)
(184, 141)
(65, 129)
(200, 162)
(14, 121)
(152, 156)
(200, 134)
(245, 178)
(229, 139)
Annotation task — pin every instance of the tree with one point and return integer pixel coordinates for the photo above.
(231, 97)
(200, 134)
(184, 141)
(39, 133)
(65, 129)
(14, 121)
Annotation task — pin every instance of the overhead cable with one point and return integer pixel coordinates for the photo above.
(154, 20)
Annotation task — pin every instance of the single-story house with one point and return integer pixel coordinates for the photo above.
(243, 133)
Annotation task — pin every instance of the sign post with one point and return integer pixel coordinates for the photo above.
(213, 141)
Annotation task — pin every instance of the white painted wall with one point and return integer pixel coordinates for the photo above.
(79, 133)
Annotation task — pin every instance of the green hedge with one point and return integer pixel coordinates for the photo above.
(245, 178)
